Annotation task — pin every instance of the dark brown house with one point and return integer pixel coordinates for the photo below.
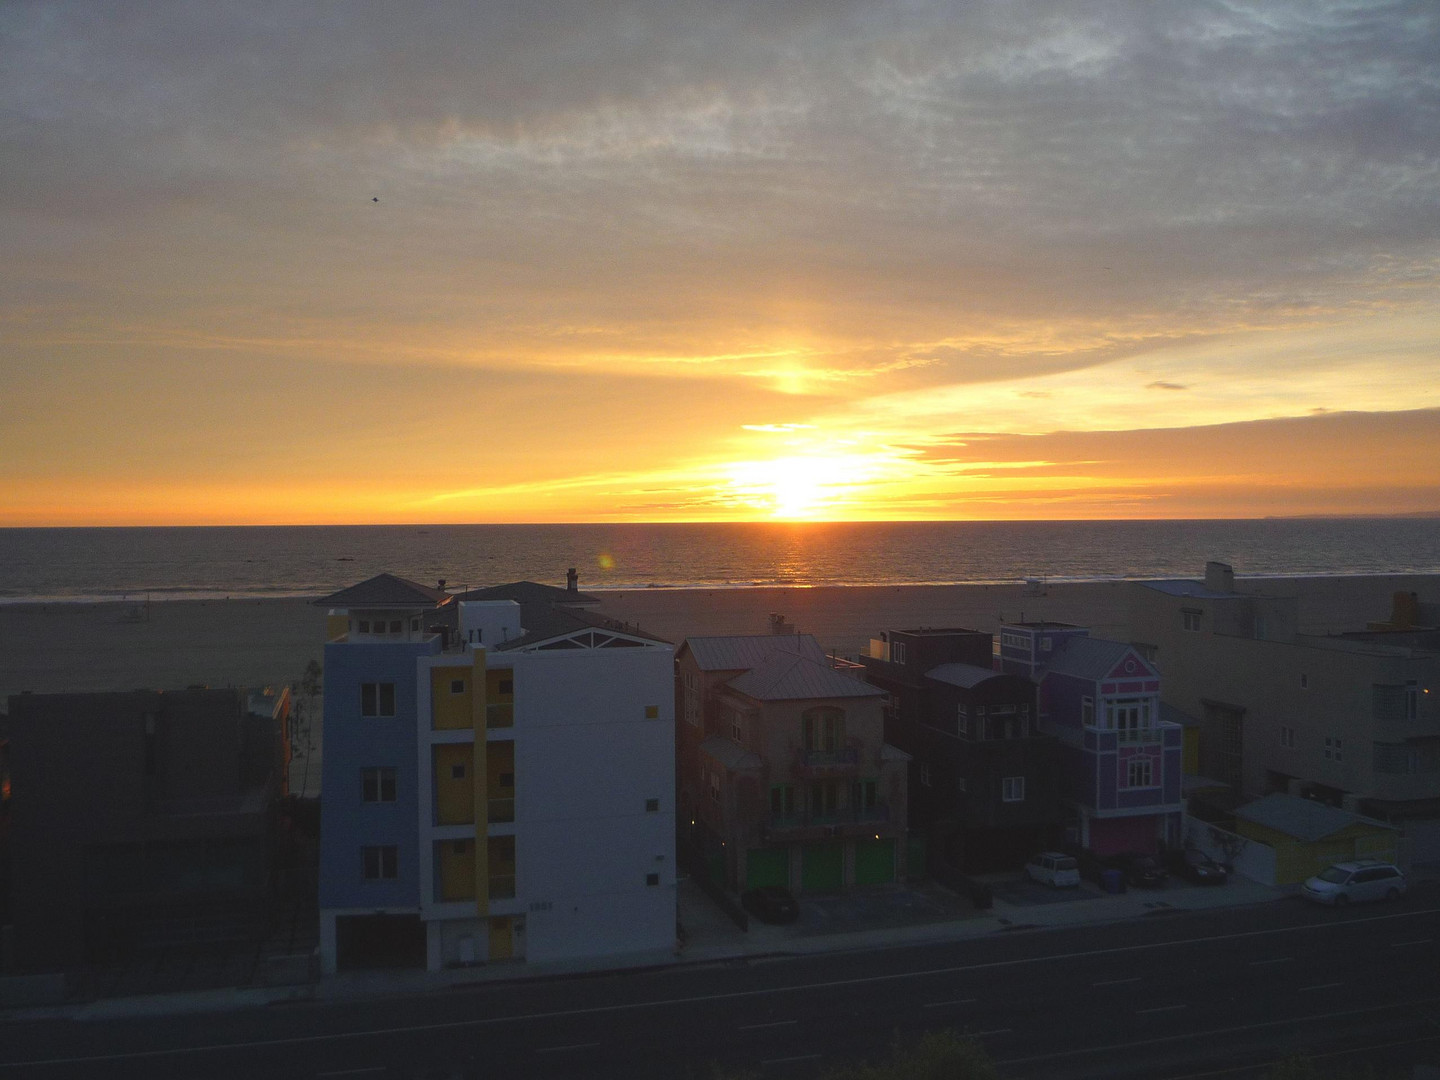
(140, 818)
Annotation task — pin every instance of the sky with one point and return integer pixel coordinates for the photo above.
(674, 260)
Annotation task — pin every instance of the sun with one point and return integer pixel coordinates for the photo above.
(798, 487)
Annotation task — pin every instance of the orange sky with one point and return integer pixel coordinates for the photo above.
(686, 263)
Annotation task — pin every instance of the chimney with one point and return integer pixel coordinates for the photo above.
(441, 585)
(1219, 577)
(572, 580)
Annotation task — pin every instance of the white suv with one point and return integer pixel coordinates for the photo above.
(1054, 869)
(1348, 882)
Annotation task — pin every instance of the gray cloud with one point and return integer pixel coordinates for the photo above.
(875, 175)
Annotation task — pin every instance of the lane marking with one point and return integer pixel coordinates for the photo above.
(786, 1060)
(1116, 982)
(1277, 960)
(943, 1004)
(982, 1034)
(1213, 1033)
(1319, 986)
(1407, 944)
(562, 1049)
(732, 995)
(355, 1072)
(773, 1024)
(1159, 1009)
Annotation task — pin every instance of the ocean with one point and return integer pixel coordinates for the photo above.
(277, 561)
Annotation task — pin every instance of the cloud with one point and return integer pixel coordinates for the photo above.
(1161, 384)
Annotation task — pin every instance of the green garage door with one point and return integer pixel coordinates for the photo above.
(767, 866)
(874, 862)
(824, 868)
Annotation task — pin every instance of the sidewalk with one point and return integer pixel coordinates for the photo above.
(711, 938)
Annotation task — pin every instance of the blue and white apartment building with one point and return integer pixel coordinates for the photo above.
(498, 780)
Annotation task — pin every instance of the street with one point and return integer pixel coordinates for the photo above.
(1182, 994)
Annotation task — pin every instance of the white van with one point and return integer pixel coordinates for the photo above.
(1054, 869)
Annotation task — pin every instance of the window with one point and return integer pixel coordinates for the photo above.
(823, 728)
(377, 784)
(1287, 736)
(825, 797)
(897, 652)
(715, 788)
(865, 794)
(652, 712)
(457, 686)
(506, 686)
(924, 774)
(962, 721)
(1334, 750)
(652, 805)
(457, 771)
(652, 879)
(415, 625)
(1304, 682)
(782, 800)
(1045, 643)
(507, 779)
(362, 626)
(377, 699)
(395, 626)
(380, 863)
(737, 730)
(1014, 641)
(1140, 773)
(962, 784)
(1012, 789)
(1087, 711)
(1190, 619)
(1130, 717)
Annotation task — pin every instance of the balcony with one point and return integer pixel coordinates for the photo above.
(819, 764)
(500, 811)
(850, 821)
(502, 887)
(500, 714)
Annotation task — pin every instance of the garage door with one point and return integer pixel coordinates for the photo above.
(874, 862)
(823, 869)
(767, 866)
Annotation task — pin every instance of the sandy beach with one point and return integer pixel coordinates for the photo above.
(54, 647)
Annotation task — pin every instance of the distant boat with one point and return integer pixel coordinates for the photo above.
(345, 558)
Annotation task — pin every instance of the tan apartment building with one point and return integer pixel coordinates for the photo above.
(1352, 721)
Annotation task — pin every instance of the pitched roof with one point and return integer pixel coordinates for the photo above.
(786, 677)
(1086, 657)
(1304, 819)
(544, 622)
(963, 675)
(386, 590)
(730, 753)
(740, 652)
(529, 592)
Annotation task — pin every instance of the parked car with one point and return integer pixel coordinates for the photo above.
(771, 904)
(1054, 869)
(1355, 882)
(1196, 866)
(1142, 871)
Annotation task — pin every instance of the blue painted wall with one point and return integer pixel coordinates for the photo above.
(353, 742)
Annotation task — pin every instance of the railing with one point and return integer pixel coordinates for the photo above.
(501, 811)
(850, 815)
(502, 887)
(500, 715)
(823, 759)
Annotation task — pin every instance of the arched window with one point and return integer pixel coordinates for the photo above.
(823, 728)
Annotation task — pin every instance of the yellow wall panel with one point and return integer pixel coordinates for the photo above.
(449, 710)
(454, 784)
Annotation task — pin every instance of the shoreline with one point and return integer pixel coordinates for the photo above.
(610, 591)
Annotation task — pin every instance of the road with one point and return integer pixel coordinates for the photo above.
(1188, 994)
